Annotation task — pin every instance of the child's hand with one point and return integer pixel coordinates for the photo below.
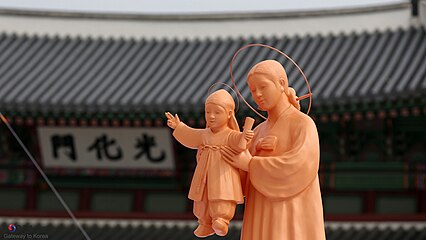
(172, 121)
(248, 135)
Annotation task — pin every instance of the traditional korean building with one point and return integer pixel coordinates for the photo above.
(90, 107)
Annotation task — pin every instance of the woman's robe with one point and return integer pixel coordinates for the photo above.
(222, 180)
(283, 199)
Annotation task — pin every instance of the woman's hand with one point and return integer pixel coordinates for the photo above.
(172, 121)
(268, 143)
(238, 160)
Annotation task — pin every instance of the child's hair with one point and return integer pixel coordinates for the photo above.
(224, 99)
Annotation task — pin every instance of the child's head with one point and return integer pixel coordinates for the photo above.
(220, 109)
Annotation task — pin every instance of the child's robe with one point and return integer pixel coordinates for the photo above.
(222, 180)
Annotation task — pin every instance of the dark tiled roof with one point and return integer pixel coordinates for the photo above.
(175, 232)
(76, 74)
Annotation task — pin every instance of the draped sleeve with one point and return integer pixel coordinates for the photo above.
(289, 172)
(187, 136)
(234, 139)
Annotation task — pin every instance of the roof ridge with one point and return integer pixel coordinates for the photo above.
(201, 16)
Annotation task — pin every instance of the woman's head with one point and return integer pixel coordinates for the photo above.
(268, 85)
(219, 110)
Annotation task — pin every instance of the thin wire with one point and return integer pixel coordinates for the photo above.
(236, 95)
(285, 55)
(45, 177)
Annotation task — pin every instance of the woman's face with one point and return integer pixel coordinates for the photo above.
(265, 92)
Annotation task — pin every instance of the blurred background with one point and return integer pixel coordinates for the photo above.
(85, 86)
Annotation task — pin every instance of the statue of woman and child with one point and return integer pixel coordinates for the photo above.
(274, 167)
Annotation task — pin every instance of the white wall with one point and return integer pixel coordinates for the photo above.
(391, 19)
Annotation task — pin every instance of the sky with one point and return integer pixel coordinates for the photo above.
(188, 6)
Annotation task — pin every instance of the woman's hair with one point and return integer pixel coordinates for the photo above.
(275, 72)
(292, 98)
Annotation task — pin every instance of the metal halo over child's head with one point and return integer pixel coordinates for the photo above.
(285, 55)
(236, 95)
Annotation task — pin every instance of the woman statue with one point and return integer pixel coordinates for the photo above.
(280, 170)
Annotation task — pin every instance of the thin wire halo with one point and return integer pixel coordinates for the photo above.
(236, 95)
(285, 55)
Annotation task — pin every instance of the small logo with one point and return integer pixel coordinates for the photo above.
(11, 227)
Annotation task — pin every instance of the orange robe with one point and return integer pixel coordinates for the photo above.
(283, 199)
(222, 180)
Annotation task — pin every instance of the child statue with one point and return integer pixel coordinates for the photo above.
(216, 185)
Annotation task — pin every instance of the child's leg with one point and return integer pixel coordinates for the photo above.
(201, 211)
(221, 212)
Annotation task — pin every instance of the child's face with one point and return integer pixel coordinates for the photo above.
(216, 116)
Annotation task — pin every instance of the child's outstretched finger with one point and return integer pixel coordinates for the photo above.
(177, 118)
(169, 116)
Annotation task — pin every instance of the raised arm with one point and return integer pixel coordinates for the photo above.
(187, 136)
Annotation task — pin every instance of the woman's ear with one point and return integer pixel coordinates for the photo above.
(229, 114)
(283, 86)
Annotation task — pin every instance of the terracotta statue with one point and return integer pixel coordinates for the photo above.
(216, 185)
(283, 198)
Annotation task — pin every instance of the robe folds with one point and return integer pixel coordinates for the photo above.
(283, 199)
(222, 180)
